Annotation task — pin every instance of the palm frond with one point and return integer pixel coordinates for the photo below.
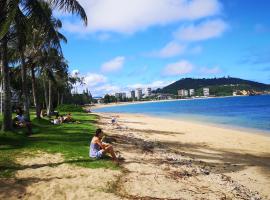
(71, 6)
(41, 14)
(21, 26)
(62, 37)
(8, 11)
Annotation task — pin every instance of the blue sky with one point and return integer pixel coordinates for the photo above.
(139, 43)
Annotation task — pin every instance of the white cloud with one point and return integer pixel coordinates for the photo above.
(92, 79)
(113, 65)
(106, 89)
(178, 68)
(75, 72)
(170, 50)
(210, 71)
(128, 17)
(74, 27)
(205, 30)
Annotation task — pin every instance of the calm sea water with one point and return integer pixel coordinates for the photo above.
(246, 111)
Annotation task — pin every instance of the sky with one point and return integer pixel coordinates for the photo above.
(152, 43)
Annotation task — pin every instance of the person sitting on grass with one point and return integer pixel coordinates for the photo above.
(68, 118)
(43, 113)
(99, 148)
(57, 119)
(20, 121)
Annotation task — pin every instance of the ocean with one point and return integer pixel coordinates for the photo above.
(251, 112)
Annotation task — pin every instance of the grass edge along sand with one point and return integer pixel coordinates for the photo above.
(71, 140)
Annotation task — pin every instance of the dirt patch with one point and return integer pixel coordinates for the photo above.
(39, 179)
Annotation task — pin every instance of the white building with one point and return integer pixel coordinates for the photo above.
(182, 93)
(139, 93)
(148, 92)
(191, 92)
(206, 92)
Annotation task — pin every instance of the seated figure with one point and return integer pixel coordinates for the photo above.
(57, 119)
(68, 118)
(20, 121)
(99, 148)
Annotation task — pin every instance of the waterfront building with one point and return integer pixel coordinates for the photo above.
(132, 94)
(182, 93)
(148, 92)
(191, 92)
(120, 96)
(206, 92)
(139, 93)
(123, 95)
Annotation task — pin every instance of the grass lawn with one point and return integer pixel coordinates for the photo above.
(71, 140)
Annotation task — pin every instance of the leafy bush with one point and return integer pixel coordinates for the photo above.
(69, 108)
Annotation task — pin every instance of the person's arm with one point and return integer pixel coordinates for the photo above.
(100, 144)
(105, 144)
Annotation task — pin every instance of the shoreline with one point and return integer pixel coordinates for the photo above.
(242, 157)
(103, 105)
(221, 121)
(246, 130)
(191, 123)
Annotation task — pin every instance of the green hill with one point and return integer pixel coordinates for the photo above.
(218, 86)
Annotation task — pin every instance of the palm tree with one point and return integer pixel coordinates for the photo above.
(31, 9)
(39, 41)
(7, 122)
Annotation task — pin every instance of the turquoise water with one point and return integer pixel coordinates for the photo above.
(243, 112)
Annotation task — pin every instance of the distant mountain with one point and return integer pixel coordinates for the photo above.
(218, 86)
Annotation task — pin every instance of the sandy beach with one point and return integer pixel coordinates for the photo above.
(159, 159)
(172, 159)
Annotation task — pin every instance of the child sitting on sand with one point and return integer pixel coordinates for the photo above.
(99, 148)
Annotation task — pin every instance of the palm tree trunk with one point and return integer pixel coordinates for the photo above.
(7, 114)
(34, 91)
(58, 98)
(25, 88)
(62, 98)
(49, 108)
(45, 93)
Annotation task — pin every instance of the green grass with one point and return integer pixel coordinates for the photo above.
(71, 140)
